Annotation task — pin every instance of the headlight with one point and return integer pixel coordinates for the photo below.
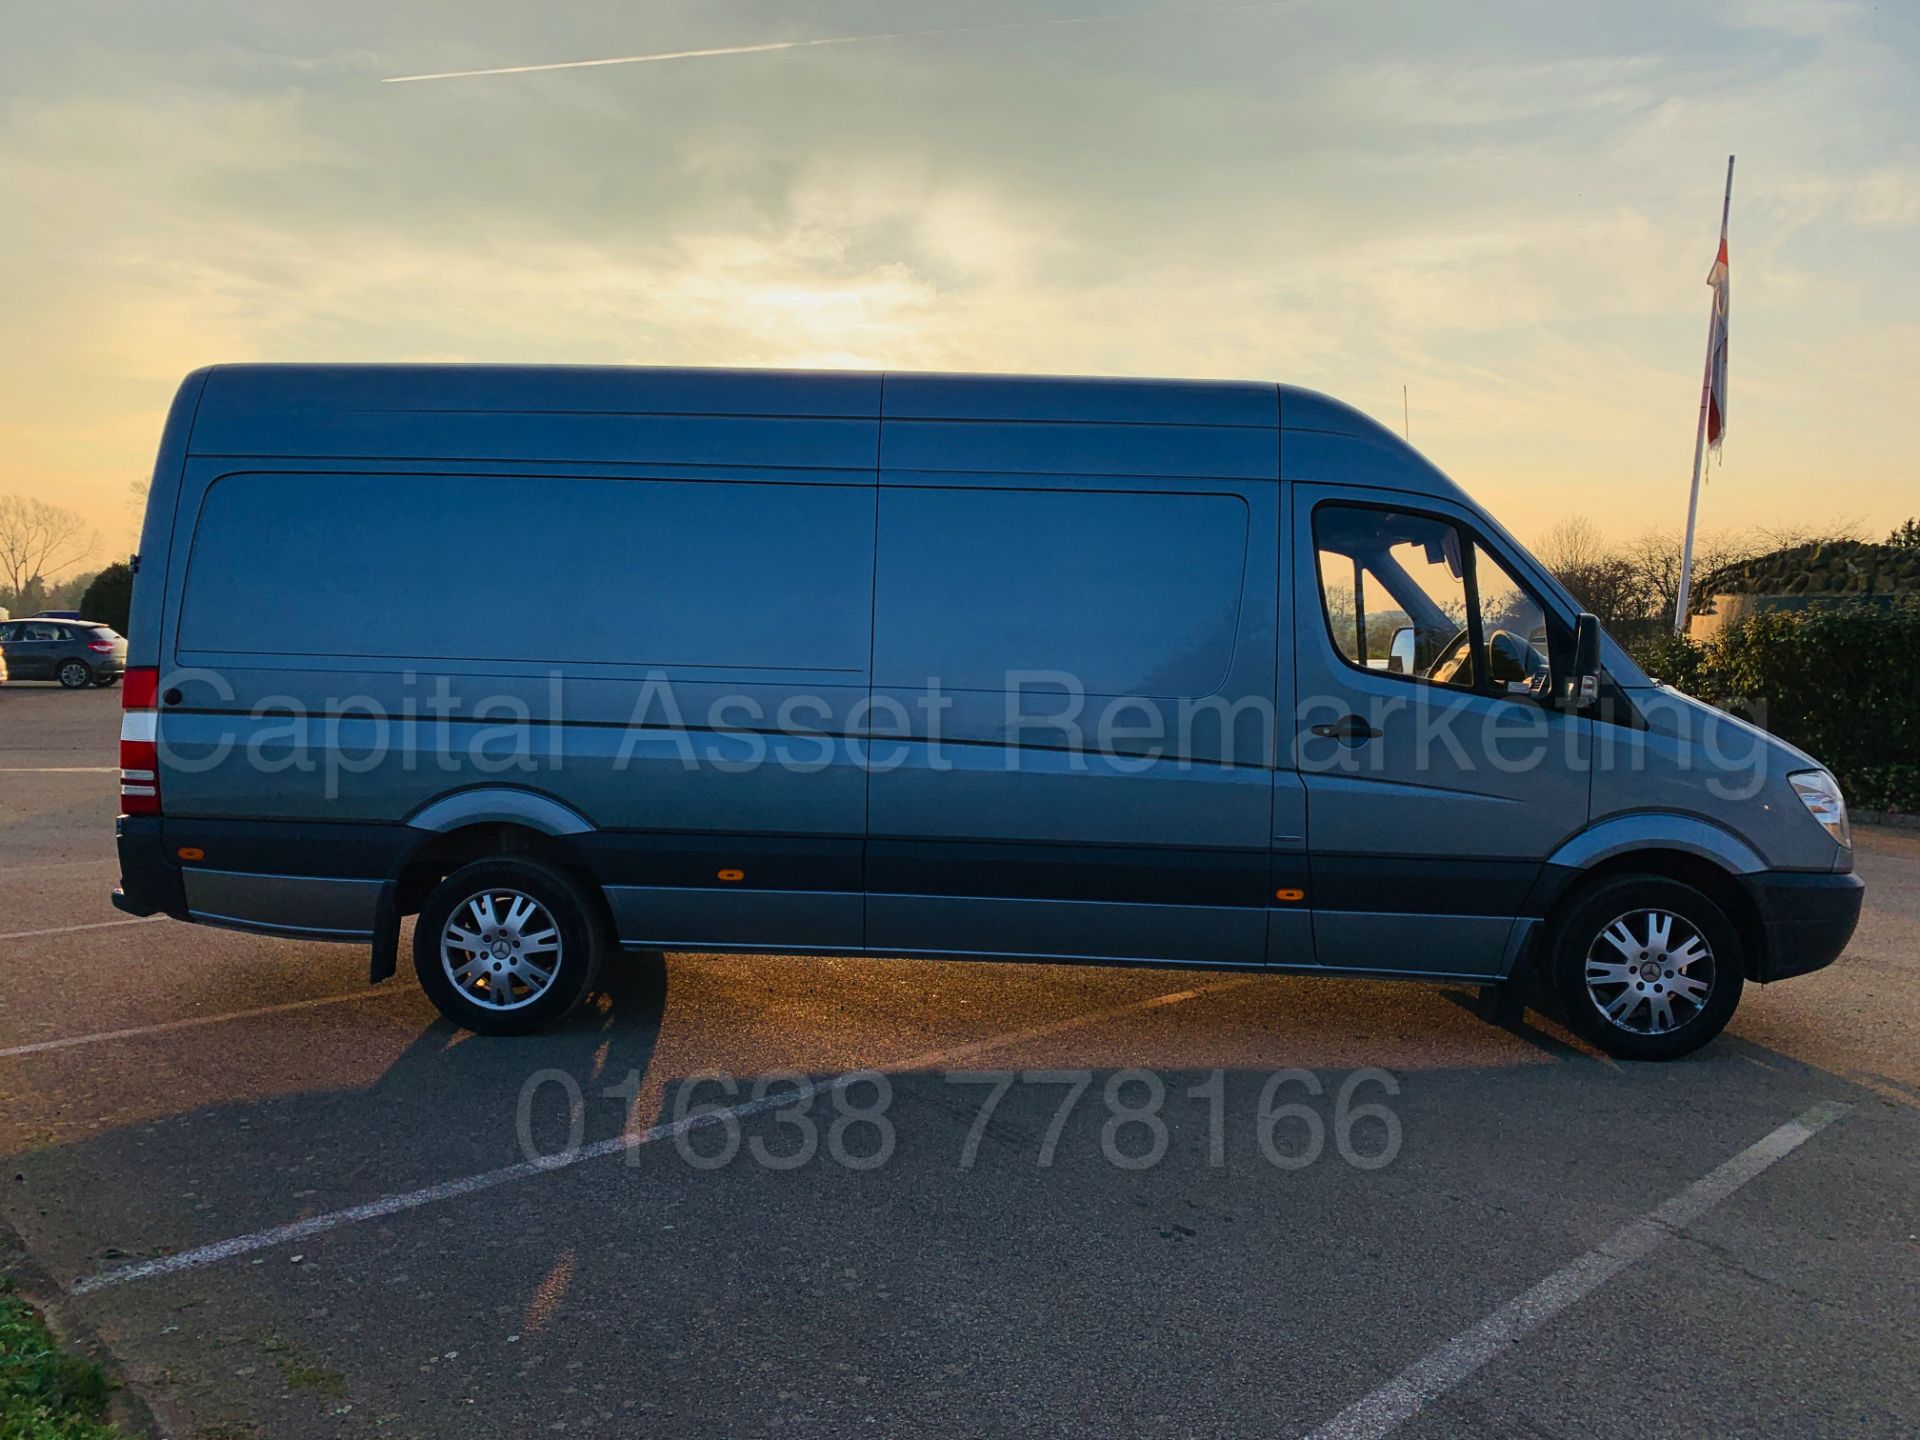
(1820, 793)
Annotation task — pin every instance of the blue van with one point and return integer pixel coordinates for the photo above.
(570, 661)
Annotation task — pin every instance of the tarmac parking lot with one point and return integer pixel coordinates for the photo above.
(972, 1200)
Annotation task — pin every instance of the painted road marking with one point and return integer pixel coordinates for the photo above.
(1885, 1088)
(168, 1026)
(1430, 1377)
(599, 1149)
(92, 925)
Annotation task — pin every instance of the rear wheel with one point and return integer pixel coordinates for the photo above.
(103, 681)
(507, 946)
(75, 674)
(1646, 968)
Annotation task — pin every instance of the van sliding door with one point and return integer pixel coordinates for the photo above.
(1073, 677)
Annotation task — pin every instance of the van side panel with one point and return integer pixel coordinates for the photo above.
(354, 640)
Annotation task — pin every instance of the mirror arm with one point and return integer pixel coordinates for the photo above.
(1583, 685)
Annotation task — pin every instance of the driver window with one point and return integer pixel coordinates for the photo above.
(1515, 628)
(1394, 589)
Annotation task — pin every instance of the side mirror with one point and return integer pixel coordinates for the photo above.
(1400, 651)
(1583, 685)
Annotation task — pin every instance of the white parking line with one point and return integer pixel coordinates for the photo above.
(1430, 1377)
(167, 1026)
(614, 1145)
(91, 925)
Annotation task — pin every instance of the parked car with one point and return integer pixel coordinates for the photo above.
(76, 653)
(1149, 672)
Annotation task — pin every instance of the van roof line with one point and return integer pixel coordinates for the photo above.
(848, 394)
(1190, 428)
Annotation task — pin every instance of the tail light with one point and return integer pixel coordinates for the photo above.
(100, 647)
(140, 743)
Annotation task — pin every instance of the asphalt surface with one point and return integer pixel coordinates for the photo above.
(897, 1279)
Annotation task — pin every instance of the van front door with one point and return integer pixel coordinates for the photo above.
(1439, 772)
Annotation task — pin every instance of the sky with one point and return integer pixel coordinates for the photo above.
(1509, 208)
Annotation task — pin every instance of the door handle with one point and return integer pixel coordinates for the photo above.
(1348, 729)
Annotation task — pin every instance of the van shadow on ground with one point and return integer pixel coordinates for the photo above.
(954, 1286)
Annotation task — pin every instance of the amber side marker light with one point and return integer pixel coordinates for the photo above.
(732, 874)
(1289, 894)
(191, 852)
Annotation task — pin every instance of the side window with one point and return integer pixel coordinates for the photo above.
(1394, 588)
(6, 634)
(1514, 627)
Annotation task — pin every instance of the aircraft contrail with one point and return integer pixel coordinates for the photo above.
(834, 40)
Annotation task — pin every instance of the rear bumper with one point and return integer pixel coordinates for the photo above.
(149, 883)
(306, 880)
(1806, 920)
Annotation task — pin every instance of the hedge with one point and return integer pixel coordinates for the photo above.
(1842, 682)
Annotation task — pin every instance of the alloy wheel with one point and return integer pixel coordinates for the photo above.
(501, 949)
(1649, 972)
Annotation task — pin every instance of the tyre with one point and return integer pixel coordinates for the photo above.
(507, 946)
(75, 674)
(106, 682)
(1646, 968)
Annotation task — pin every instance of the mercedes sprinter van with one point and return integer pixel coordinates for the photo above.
(569, 661)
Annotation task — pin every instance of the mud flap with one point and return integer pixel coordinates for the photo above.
(1505, 1002)
(386, 934)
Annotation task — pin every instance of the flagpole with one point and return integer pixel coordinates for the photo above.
(1700, 439)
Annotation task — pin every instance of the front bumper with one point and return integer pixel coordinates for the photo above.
(1805, 919)
(149, 882)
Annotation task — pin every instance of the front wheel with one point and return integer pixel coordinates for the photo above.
(1646, 968)
(75, 674)
(506, 946)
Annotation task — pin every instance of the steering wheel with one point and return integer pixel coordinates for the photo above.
(1455, 658)
(1511, 659)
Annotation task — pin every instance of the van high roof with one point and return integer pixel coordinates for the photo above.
(813, 420)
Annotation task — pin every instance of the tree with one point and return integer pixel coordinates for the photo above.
(36, 540)
(109, 599)
(1906, 536)
(1602, 579)
(1655, 558)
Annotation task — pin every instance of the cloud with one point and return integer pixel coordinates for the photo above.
(768, 46)
(1513, 222)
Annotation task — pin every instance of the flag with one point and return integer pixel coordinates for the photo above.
(1717, 348)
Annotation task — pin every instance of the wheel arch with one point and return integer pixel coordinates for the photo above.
(500, 805)
(1712, 864)
(479, 825)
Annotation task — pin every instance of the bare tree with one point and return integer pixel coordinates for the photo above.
(1768, 538)
(1655, 558)
(1571, 545)
(1602, 579)
(38, 540)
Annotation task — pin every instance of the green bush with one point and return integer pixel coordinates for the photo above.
(1841, 682)
(110, 597)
